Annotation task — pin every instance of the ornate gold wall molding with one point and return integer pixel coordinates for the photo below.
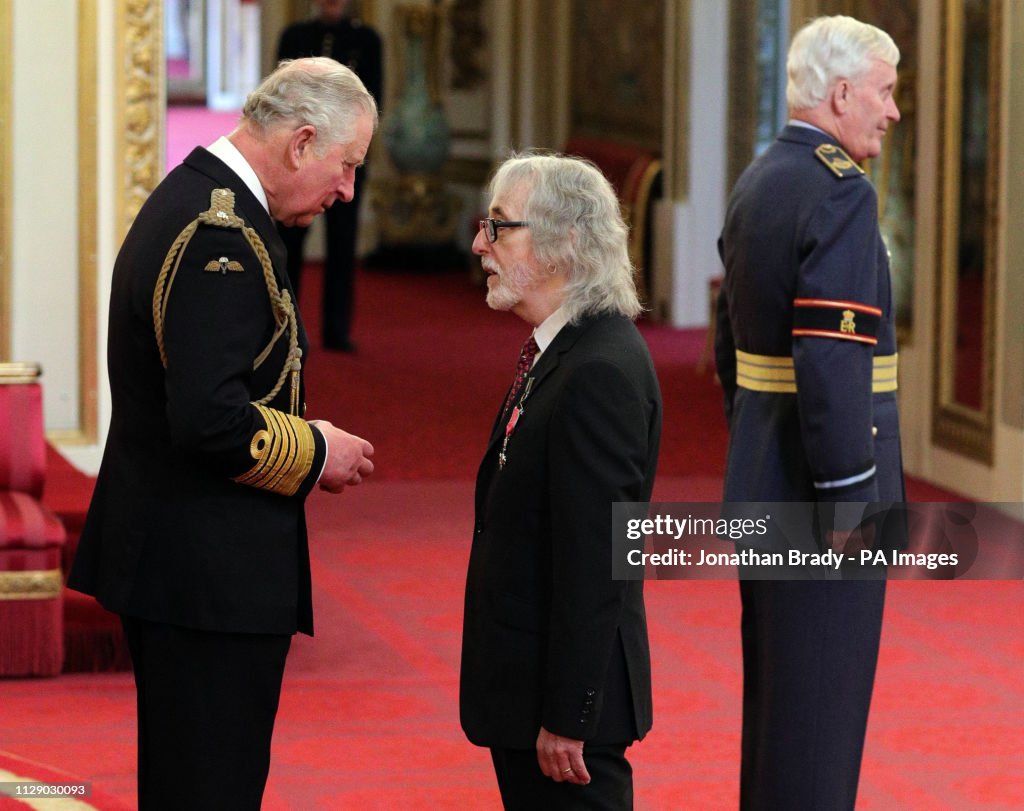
(6, 182)
(138, 125)
(677, 81)
(141, 112)
(87, 237)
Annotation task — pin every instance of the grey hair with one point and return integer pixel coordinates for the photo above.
(317, 91)
(832, 48)
(575, 224)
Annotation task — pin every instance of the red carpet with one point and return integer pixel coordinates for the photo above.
(369, 716)
(14, 769)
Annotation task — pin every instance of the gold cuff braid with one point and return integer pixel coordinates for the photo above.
(283, 452)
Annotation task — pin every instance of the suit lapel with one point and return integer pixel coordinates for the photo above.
(549, 361)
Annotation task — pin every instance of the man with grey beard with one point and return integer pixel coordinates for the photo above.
(555, 661)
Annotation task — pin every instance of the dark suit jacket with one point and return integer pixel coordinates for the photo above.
(797, 230)
(170, 537)
(549, 639)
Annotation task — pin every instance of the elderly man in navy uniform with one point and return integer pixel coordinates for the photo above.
(806, 352)
(196, 532)
(336, 35)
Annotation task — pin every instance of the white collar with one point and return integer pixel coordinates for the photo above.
(228, 152)
(545, 333)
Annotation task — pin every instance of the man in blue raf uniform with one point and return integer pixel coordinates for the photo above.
(556, 673)
(196, 533)
(806, 353)
(334, 34)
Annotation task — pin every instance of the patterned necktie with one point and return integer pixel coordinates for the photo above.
(526, 357)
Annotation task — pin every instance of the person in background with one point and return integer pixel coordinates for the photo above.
(347, 40)
(196, 533)
(556, 675)
(806, 352)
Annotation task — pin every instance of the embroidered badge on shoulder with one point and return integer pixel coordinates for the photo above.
(841, 164)
(223, 265)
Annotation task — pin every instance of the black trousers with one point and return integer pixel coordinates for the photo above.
(342, 227)
(809, 653)
(206, 708)
(524, 786)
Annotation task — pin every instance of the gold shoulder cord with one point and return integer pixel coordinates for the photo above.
(284, 450)
(222, 215)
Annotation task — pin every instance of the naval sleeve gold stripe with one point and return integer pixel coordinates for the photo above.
(776, 374)
(766, 361)
(884, 375)
(283, 452)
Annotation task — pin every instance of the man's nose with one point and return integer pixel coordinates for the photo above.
(894, 112)
(347, 187)
(480, 244)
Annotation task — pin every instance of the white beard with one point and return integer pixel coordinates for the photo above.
(511, 284)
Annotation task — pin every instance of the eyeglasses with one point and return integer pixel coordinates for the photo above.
(490, 226)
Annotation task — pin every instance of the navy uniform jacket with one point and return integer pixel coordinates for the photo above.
(197, 517)
(805, 340)
(549, 639)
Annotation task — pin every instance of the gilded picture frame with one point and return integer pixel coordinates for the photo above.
(970, 174)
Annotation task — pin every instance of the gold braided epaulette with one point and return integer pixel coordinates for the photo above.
(283, 451)
(222, 210)
(221, 214)
(841, 164)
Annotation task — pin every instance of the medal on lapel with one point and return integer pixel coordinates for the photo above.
(513, 420)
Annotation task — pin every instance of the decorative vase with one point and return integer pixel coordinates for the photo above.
(415, 131)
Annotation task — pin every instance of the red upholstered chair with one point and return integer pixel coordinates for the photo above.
(31, 536)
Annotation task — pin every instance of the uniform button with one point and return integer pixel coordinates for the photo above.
(874, 430)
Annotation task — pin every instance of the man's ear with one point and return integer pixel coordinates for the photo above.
(299, 143)
(841, 92)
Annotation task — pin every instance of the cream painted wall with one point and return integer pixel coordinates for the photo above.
(87, 456)
(44, 214)
(698, 217)
(916, 368)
